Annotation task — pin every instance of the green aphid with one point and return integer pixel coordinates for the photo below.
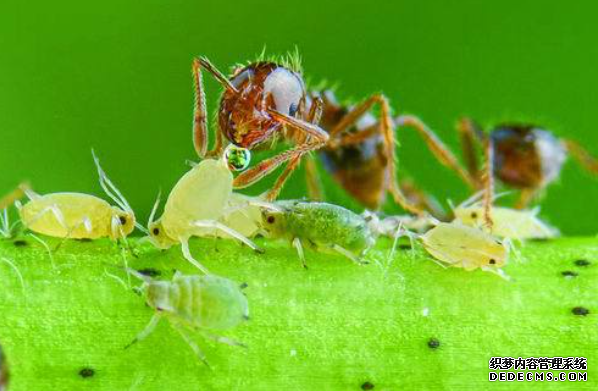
(197, 303)
(320, 226)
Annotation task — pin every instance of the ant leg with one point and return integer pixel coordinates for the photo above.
(14, 195)
(441, 151)
(469, 133)
(314, 185)
(582, 156)
(192, 344)
(422, 199)
(147, 330)
(488, 182)
(229, 231)
(293, 156)
(299, 247)
(200, 116)
(187, 254)
(525, 197)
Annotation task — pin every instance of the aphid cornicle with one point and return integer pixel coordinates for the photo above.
(198, 303)
(77, 215)
(320, 226)
(197, 206)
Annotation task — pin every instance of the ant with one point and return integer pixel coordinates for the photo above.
(262, 102)
(523, 156)
(267, 100)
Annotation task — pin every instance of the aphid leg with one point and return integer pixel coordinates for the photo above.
(5, 229)
(12, 265)
(109, 188)
(299, 247)
(499, 272)
(191, 344)
(224, 340)
(488, 181)
(200, 116)
(469, 133)
(583, 157)
(438, 148)
(229, 231)
(314, 184)
(293, 156)
(189, 257)
(348, 254)
(117, 278)
(147, 330)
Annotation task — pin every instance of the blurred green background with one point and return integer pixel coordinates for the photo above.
(115, 75)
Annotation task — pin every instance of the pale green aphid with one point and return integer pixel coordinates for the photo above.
(199, 205)
(78, 215)
(197, 303)
(507, 223)
(470, 248)
(320, 226)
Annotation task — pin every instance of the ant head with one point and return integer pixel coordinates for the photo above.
(526, 156)
(237, 158)
(259, 88)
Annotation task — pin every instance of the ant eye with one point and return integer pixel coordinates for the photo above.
(271, 220)
(492, 262)
(237, 158)
(123, 220)
(156, 231)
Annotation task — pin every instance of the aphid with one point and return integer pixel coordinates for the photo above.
(261, 103)
(508, 223)
(466, 247)
(360, 153)
(391, 225)
(525, 156)
(198, 206)
(320, 226)
(77, 215)
(199, 303)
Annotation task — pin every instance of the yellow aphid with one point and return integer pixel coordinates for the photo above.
(201, 204)
(77, 215)
(507, 223)
(466, 247)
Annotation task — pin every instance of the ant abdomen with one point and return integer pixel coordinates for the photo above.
(526, 156)
(260, 87)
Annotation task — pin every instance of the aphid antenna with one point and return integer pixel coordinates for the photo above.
(5, 229)
(16, 269)
(152, 215)
(109, 188)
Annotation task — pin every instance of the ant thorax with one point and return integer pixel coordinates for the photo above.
(526, 156)
(243, 116)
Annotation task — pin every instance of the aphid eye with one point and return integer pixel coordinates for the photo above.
(270, 219)
(123, 220)
(237, 158)
(156, 231)
(492, 261)
(474, 215)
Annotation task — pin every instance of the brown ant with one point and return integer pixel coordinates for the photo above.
(261, 103)
(267, 100)
(522, 156)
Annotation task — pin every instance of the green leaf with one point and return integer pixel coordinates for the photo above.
(332, 327)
